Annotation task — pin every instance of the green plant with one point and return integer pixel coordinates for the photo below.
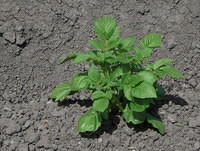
(118, 77)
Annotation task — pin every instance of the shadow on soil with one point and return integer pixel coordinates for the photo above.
(110, 125)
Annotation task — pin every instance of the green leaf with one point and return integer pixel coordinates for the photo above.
(127, 89)
(105, 27)
(116, 33)
(70, 57)
(81, 58)
(139, 105)
(117, 72)
(161, 62)
(97, 95)
(144, 90)
(156, 123)
(112, 43)
(127, 43)
(171, 71)
(101, 104)
(97, 44)
(109, 94)
(151, 40)
(61, 91)
(148, 76)
(105, 114)
(133, 117)
(132, 80)
(160, 91)
(142, 54)
(89, 122)
(80, 82)
(94, 73)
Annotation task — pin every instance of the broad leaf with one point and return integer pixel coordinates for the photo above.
(80, 82)
(142, 54)
(139, 105)
(89, 122)
(132, 80)
(70, 57)
(105, 114)
(109, 94)
(105, 27)
(81, 58)
(133, 117)
(144, 90)
(156, 123)
(161, 62)
(61, 91)
(151, 40)
(148, 76)
(97, 95)
(116, 73)
(94, 73)
(101, 104)
(171, 71)
(127, 43)
(127, 89)
(97, 44)
(112, 43)
(160, 91)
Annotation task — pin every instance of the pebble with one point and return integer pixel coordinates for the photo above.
(27, 124)
(12, 128)
(192, 82)
(43, 142)
(20, 40)
(197, 145)
(172, 118)
(58, 113)
(32, 137)
(10, 36)
(194, 122)
(100, 140)
(3, 28)
(31, 147)
(23, 147)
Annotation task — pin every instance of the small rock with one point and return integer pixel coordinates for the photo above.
(3, 28)
(100, 140)
(19, 28)
(12, 128)
(192, 82)
(43, 142)
(171, 42)
(115, 140)
(59, 1)
(198, 87)
(194, 122)
(58, 113)
(197, 145)
(32, 137)
(31, 147)
(20, 40)
(23, 147)
(27, 124)
(10, 36)
(172, 118)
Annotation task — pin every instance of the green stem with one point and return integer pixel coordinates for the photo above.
(117, 103)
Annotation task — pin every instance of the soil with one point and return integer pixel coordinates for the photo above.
(36, 34)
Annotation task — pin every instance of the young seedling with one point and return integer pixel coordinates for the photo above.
(118, 77)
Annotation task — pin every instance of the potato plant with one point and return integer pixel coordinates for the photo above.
(118, 78)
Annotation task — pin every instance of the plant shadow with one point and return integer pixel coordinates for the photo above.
(154, 111)
(109, 126)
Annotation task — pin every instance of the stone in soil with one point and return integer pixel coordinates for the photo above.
(10, 36)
